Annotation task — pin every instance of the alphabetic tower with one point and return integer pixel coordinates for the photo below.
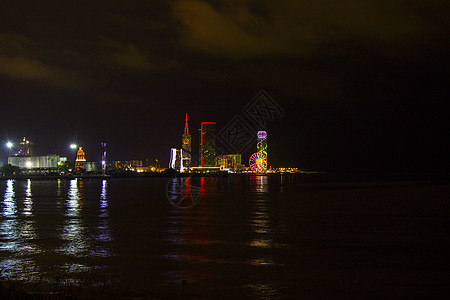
(261, 143)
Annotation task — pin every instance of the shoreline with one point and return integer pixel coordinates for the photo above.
(308, 177)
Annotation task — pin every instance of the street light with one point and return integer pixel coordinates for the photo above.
(9, 145)
(73, 147)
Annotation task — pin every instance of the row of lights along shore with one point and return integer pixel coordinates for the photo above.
(53, 163)
(181, 160)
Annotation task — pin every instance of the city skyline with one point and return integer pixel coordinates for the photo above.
(207, 147)
(363, 86)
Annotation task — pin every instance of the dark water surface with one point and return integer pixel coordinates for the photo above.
(264, 237)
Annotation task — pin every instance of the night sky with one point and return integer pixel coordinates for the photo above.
(364, 85)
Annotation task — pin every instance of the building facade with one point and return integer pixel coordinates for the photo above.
(175, 159)
(48, 162)
(230, 162)
(186, 146)
(92, 166)
(207, 144)
(127, 164)
(79, 160)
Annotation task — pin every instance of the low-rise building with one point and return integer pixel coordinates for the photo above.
(229, 162)
(37, 164)
(127, 164)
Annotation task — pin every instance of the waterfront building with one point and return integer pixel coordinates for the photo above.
(37, 164)
(175, 159)
(153, 165)
(206, 169)
(230, 162)
(92, 166)
(127, 164)
(186, 146)
(207, 144)
(79, 160)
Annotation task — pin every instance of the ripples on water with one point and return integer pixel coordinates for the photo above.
(47, 226)
(254, 236)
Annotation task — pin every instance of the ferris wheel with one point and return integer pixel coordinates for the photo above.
(258, 162)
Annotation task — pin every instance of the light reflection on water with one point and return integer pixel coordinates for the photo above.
(261, 226)
(258, 184)
(9, 235)
(244, 239)
(265, 290)
(28, 201)
(260, 219)
(9, 226)
(17, 235)
(19, 269)
(103, 232)
(52, 221)
(9, 205)
(73, 201)
(73, 232)
(198, 246)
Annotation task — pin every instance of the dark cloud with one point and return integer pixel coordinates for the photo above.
(233, 28)
(24, 68)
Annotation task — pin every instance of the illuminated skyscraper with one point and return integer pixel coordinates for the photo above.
(186, 146)
(208, 144)
(261, 143)
(25, 148)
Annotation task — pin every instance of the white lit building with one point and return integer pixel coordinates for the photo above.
(45, 162)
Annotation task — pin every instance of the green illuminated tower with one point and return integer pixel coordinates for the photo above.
(261, 143)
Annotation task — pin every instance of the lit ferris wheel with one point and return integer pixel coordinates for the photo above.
(258, 162)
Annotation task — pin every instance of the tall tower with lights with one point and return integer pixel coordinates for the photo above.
(208, 144)
(261, 143)
(186, 146)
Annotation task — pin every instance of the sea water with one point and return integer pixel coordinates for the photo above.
(267, 237)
